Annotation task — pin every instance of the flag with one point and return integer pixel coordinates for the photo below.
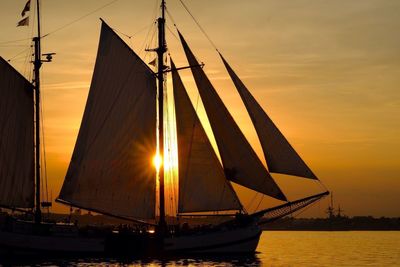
(23, 22)
(153, 62)
(26, 8)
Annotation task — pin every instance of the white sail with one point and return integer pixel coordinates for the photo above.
(16, 139)
(241, 163)
(111, 169)
(279, 154)
(202, 183)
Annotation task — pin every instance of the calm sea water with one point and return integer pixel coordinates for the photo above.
(283, 248)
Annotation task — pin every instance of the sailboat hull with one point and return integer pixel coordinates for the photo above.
(28, 238)
(237, 240)
(63, 240)
(25, 244)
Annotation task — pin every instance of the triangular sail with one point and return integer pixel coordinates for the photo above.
(202, 183)
(16, 139)
(111, 167)
(240, 162)
(279, 154)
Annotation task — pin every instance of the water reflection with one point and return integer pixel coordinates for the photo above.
(278, 249)
(232, 260)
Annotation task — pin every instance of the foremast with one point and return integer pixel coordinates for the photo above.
(162, 48)
(37, 64)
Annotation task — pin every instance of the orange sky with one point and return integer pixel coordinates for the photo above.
(327, 72)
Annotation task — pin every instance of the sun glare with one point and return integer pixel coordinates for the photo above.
(157, 161)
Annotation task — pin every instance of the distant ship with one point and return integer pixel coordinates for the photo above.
(110, 171)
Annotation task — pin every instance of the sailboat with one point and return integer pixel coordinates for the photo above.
(110, 171)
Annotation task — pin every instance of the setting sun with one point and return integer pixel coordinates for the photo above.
(157, 161)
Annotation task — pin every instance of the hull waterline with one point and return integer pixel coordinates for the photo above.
(243, 240)
(225, 241)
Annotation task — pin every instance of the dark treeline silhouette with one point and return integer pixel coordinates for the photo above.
(337, 223)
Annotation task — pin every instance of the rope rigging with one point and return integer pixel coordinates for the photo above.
(169, 133)
(14, 41)
(18, 54)
(80, 18)
(198, 24)
(45, 191)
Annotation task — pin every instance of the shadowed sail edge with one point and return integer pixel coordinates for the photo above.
(279, 154)
(110, 169)
(17, 139)
(240, 162)
(202, 183)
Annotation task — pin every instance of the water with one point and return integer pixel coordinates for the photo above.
(282, 248)
(345, 249)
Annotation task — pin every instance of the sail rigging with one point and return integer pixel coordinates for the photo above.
(241, 163)
(279, 154)
(161, 49)
(110, 170)
(202, 183)
(16, 142)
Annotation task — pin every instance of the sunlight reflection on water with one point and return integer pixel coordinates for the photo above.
(282, 248)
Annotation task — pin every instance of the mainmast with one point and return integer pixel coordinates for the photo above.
(162, 48)
(37, 64)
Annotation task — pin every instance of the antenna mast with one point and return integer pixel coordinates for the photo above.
(162, 48)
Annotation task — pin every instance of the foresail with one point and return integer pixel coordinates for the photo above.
(279, 154)
(16, 139)
(111, 167)
(241, 163)
(202, 183)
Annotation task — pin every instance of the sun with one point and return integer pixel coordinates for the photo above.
(157, 161)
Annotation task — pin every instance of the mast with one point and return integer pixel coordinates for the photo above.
(37, 64)
(331, 210)
(160, 54)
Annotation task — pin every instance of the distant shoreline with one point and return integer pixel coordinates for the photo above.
(335, 223)
(332, 230)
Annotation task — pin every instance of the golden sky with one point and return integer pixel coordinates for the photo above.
(327, 73)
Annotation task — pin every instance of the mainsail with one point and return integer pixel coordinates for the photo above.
(240, 162)
(17, 135)
(279, 154)
(202, 183)
(110, 170)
